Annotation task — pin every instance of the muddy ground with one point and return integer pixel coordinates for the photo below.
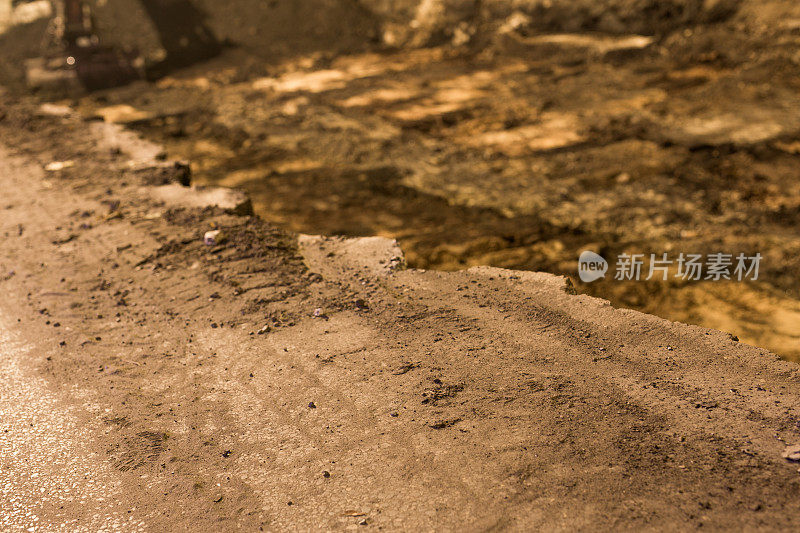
(520, 149)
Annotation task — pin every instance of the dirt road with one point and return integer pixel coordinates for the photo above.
(272, 383)
(48, 463)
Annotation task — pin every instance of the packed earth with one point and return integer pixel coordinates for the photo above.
(514, 138)
(383, 326)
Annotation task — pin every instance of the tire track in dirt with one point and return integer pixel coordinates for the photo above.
(551, 368)
(696, 410)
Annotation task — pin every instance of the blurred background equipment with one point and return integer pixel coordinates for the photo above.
(76, 61)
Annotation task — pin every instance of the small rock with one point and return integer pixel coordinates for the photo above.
(312, 405)
(55, 166)
(123, 114)
(318, 312)
(265, 329)
(213, 238)
(176, 195)
(792, 453)
(53, 110)
(167, 173)
(326, 474)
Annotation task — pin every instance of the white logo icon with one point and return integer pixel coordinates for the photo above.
(591, 267)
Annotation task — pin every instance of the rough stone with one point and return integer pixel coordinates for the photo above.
(176, 195)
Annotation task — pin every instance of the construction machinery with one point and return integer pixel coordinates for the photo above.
(76, 60)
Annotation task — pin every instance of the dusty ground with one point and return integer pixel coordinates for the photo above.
(523, 148)
(150, 382)
(376, 398)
